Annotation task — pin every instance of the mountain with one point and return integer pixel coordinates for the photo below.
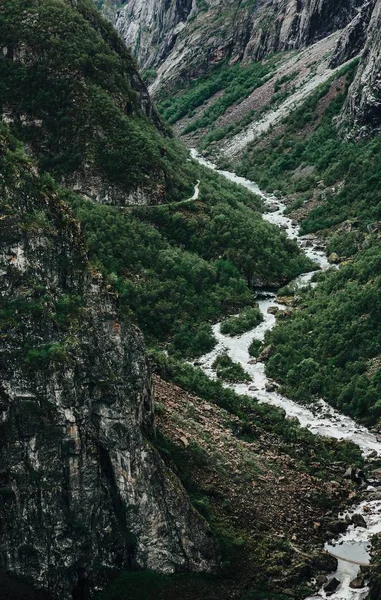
(118, 252)
(82, 488)
(72, 92)
(287, 94)
(182, 39)
(362, 110)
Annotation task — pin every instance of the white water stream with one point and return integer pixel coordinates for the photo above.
(320, 418)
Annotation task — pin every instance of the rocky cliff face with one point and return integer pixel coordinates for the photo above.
(184, 38)
(151, 28)
(362, 112)
(82, 489)
(354, 36)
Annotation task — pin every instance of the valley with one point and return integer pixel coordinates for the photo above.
(190, 300)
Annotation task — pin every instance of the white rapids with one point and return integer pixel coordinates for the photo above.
(352, 547)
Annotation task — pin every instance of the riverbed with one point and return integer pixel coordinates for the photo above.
(352, 548)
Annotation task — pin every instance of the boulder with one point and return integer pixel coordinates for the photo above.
(374, 496)
(358, 583)
(270, 386)
(324, 562)
(359, 521)
(338, 526)
(355, 474)
(266, 353)
(321, 580)
(334, 258)
(376, 473)
(373, 454)
(332, 586)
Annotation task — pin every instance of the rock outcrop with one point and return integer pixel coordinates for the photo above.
(354, 36)
(151, 28)
(362, 111)
(184, 38)
(82, 489)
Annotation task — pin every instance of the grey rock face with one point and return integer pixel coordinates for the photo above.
(180, 39)
(82, 489)
(354, 35)
(151, 28)
(362, 111)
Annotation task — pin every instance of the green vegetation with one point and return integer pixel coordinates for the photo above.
(30, 205)
(176, 268)
(310, 139)
(147, 585)
(314, 453)
(228, 370)
(191, 341)
(88, 121)
(255, 348)
(235, 82)
(85, 110)
(249, 318)
(331, 346)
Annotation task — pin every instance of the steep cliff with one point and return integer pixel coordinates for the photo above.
(187, 38)
(82, 489)
(354, 36)
(362, 111)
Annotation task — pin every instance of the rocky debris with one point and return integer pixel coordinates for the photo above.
(332, 586)
(242, 465)
(338, 526)
(270, 386)
(273, 310)
(358, 521)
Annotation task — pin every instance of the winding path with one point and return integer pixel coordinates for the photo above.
(195, 196)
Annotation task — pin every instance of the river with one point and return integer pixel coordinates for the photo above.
(320, 419)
